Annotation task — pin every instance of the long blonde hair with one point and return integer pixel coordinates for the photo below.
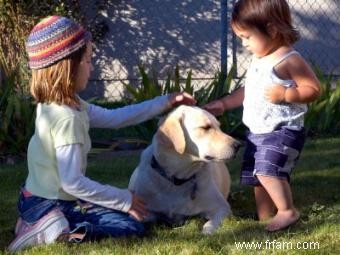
(56, 83)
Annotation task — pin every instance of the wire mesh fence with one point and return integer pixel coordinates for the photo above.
(162, 34)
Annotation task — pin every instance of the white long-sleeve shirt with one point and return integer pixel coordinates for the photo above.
(69, 157)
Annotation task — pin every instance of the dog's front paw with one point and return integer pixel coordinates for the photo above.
(208, 228)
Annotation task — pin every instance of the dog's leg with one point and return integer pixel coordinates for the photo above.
(215, 219)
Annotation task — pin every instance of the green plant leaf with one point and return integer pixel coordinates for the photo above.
(188, 85)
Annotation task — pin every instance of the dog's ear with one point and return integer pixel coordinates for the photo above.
(170, 134)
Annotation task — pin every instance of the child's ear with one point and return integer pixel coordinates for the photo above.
(272, 30)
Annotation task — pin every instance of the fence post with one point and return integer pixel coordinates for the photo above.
(224, 37)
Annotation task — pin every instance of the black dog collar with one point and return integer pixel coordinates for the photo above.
(176, 181)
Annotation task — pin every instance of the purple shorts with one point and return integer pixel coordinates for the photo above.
(272, 154)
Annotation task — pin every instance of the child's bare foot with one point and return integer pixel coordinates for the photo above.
(283, 219)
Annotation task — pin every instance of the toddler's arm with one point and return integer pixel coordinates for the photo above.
(307, 85)
(218, 107)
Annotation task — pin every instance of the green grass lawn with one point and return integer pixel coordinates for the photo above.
(316, 190)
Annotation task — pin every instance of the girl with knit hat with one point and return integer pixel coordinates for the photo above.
(58, 202)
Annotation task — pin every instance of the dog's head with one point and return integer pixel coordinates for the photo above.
(194, 131)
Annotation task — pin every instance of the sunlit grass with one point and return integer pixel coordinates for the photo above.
(316, 189)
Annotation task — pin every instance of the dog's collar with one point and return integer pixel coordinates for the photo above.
(176, 181)
(155, 165)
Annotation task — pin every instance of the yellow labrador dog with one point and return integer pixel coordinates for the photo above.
(182, 173)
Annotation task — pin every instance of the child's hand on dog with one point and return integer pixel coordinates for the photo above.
(178, 98)
(215, 107)
(138, 208)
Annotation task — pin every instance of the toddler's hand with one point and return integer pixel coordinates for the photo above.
(215, 107)
(276, 94)
(179, 98)
(138, 208)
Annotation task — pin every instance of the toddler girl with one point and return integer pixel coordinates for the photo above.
(277, 87)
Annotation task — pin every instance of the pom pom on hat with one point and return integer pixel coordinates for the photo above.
(53, 39)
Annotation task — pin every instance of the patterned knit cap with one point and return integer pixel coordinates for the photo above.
(53, 39)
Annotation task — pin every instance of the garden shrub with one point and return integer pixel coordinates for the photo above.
(219, 86)
(323, 116)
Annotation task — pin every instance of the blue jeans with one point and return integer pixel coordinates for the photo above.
(94, 221)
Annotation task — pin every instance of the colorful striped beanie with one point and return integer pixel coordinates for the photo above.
(53, 39)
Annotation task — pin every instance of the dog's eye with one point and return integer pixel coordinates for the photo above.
(206, 128)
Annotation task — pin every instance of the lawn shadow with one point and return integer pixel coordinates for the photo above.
(7, 224)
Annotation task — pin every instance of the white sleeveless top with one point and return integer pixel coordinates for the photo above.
(261, 116)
